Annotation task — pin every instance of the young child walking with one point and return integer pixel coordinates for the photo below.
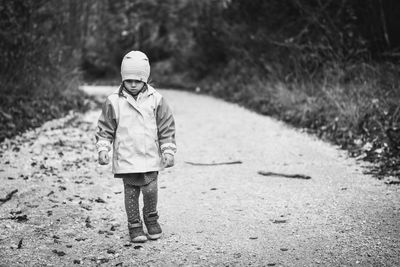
(139, 125)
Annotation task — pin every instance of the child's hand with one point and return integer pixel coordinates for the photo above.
(168, 160)
(104, 159)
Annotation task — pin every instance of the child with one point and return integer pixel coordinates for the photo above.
(139, 125)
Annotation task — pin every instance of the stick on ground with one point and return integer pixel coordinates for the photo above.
(8, 196)
(213, 164)
(297, 176)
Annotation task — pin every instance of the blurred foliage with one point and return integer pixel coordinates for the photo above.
(291, 40)
(39, 55)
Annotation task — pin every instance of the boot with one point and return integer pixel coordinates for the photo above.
(153, 227)
(136, 232)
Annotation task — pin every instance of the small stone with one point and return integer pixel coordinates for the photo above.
(253, 237)
(103, 260)
(284, 249)
(237, 255)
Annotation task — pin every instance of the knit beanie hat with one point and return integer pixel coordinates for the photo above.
(135, 66)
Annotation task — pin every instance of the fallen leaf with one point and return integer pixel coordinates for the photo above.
(111, 251)
(59, 253)
(279, 221)
(88, 222)
(21, 218)
(85, 206)
(100, 200)
(20, 244)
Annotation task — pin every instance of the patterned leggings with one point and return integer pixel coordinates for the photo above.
(132, 193)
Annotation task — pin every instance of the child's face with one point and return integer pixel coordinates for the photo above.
(133, 86)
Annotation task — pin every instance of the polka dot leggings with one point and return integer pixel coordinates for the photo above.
(132, 193)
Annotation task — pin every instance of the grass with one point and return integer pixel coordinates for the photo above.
(354, 108)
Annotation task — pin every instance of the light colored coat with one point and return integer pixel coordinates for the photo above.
(140, 130)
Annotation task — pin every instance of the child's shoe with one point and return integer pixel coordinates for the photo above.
(136, 232)
(153, 227)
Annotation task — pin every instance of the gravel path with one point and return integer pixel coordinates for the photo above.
(69, 210)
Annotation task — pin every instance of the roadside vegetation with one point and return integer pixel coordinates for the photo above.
(39, 57)
(329, 67)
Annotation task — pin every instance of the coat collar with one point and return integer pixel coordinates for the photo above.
(147, 92)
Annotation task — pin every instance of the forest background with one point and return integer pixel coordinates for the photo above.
(330, 67)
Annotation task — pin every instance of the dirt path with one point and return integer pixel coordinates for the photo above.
(70, 210)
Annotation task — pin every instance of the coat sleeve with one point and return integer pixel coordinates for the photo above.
(166, 128)
(106, 127)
